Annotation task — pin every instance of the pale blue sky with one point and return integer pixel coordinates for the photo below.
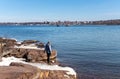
(54, 10)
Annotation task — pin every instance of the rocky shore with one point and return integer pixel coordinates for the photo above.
(27, 60)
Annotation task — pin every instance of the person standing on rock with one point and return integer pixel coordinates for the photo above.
(48, 51)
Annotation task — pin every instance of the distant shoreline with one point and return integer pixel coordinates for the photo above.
(64, 23)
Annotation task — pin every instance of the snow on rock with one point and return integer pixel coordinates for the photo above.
(8, 60)
(69, 70)
(32, 46)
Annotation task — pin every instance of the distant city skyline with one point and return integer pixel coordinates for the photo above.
(55, 10)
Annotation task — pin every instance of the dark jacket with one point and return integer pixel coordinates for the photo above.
(48, 48)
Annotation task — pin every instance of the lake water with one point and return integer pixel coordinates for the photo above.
(90, 50)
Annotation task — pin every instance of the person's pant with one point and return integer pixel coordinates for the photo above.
(48, 57)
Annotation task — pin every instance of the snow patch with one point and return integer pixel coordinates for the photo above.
(32, 46)
(8, 60)
(18, 42)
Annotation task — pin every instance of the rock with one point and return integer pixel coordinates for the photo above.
(18, 53)
(1, 48)
(18, 71)
(1, 39)
(0, 58)
(40, 45)
(29, 41)
(39, 55)
(55, 74)
(24, 71)
(31, 55)
(8, 42)
(32, 51)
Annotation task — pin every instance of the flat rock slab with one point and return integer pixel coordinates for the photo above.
(24, 71)
(18, 72)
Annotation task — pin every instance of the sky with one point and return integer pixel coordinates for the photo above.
(55, 10)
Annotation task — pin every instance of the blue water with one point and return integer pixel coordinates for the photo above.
(90, 50)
